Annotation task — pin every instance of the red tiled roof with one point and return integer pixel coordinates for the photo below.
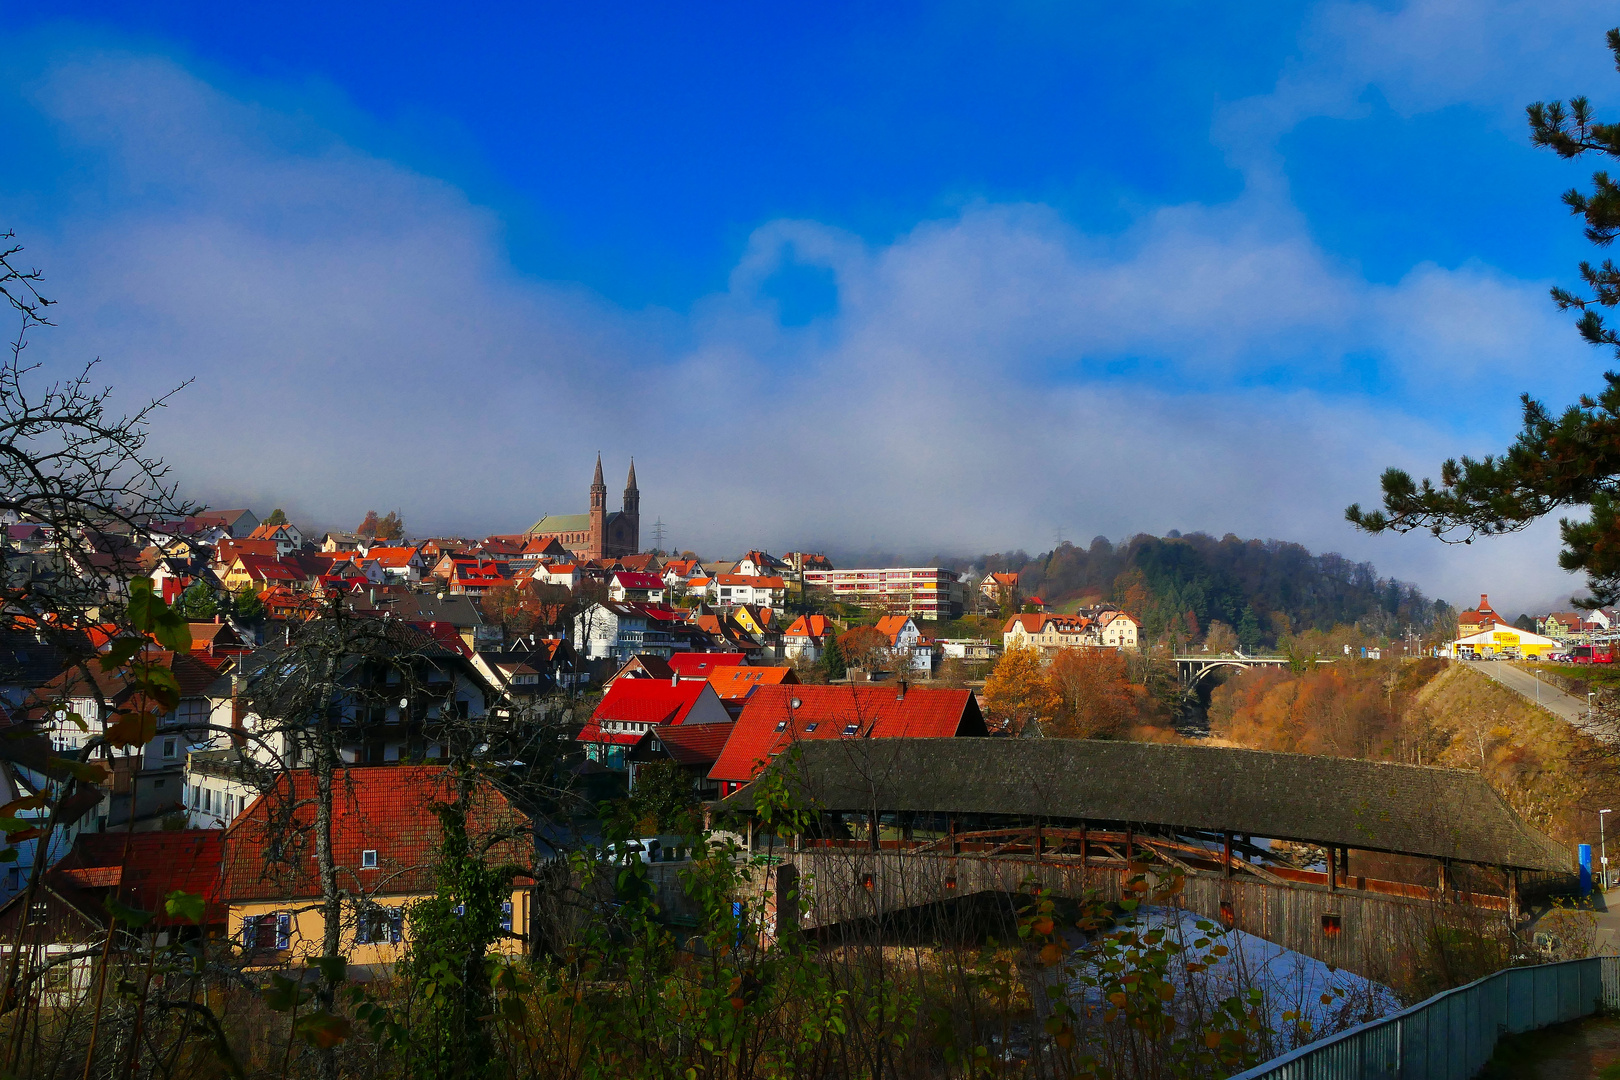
(630, 579)
(147, 866)
(814, 626)
(484, 573)
(391, 556)
(735, 683)
(648, 701)
(700, 665)
(385, 808)
(891, 625)
(228, 549)
(827, 712)
(694, 744)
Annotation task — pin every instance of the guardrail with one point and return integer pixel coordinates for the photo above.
(1453, 1034)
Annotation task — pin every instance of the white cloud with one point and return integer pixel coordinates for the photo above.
(1494, 56)
(359, 340)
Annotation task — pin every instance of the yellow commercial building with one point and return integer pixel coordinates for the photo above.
(1502, 639)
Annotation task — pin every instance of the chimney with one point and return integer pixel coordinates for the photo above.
(901, 695)
(675, 678)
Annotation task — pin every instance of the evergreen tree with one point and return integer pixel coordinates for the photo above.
(832, 658)
(1572, 460)
(278, 516)
(198, 603)
(249, 608)
(1248, 631)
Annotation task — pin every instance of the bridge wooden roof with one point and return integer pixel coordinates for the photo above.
(1369, 805)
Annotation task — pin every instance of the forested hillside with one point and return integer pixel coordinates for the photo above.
(1265, 589)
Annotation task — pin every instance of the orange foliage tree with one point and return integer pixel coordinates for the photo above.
(1344, 710)
(1094, 693)
(864, 647)
(1018, 691)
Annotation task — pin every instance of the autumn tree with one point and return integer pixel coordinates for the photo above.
(523, 607)
(391, 527)
(278, 516)
(368, 527)
(864, 647)
(1221, 639)
(1018, 692)
(1571, 460)
(1094, 691)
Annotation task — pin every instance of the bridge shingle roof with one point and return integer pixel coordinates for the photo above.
(1369, 805)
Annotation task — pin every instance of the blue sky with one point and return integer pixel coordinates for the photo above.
(942, 277)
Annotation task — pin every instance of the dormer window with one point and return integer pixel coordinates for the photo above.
(368, 859)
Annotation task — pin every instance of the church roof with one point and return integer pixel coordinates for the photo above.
(554, 523)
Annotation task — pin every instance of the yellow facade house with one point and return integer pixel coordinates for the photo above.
(385, 840)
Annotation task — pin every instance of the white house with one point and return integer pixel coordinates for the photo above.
(564, 574)
(730, 590)
(904, 637)
(806, 639)
(1117, 630)
(629, 586)
(615, 631)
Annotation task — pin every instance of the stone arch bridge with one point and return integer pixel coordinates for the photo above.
(1193, 669)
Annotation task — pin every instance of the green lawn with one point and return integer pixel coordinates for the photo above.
(1605, 676)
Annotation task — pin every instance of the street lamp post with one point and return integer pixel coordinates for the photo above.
(1603, 850)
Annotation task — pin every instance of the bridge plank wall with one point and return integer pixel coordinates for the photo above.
(1376, 936)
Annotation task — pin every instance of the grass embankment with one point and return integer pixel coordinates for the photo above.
(1428, 712)
(1555, 777)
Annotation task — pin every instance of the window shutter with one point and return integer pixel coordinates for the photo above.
(283, 929)
(396, 925)
(250, 931)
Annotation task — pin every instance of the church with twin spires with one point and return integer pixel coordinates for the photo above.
(598, 534)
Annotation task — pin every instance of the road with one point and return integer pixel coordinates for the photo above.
(1549, 697)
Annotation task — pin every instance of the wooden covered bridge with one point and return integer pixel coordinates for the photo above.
(901, 824)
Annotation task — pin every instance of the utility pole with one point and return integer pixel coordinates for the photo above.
(1603, 850)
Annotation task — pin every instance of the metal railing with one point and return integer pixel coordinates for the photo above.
(1453, 1034)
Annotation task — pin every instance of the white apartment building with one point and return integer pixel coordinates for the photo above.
(924, 592)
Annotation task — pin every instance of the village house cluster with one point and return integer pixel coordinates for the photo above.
(699, 666)
(1582, 636)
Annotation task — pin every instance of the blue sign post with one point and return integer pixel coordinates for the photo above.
(1583, 855)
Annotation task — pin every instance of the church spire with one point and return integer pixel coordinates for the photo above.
(630, 484)
(597, 481)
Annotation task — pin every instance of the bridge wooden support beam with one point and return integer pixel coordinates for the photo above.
(1375, 927)
(1226, 853)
